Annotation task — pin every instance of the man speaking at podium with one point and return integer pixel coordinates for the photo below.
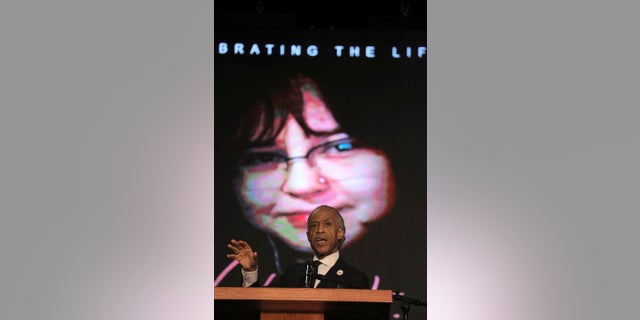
(326, 233)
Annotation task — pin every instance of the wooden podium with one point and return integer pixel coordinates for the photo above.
(301, 303)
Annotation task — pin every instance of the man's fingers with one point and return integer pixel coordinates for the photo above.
(238, 245)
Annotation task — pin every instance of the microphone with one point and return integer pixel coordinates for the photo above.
(310, 273)
(406, 303)
(397, 296)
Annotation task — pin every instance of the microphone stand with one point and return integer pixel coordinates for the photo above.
(406, 303)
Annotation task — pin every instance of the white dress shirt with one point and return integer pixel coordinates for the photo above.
(326, 264)
(249, 277)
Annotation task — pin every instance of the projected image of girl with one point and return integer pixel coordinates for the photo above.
(294, 154)
(295, 132)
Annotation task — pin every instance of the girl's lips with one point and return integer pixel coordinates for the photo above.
(298, 221)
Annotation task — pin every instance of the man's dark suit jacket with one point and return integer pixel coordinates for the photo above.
(349, 277)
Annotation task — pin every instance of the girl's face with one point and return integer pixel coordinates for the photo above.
(280, 185)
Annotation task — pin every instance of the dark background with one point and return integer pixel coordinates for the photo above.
(333, 14)
(384, 100)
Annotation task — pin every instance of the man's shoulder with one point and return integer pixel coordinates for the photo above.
(343, 272)
(343, 264)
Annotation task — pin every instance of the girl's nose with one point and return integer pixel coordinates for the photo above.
(302, 179)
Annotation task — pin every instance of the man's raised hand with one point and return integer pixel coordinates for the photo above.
(243, 253)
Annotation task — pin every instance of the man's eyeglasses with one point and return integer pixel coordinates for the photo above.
(271, 160)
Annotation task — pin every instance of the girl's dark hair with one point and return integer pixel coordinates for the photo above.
(266, 116)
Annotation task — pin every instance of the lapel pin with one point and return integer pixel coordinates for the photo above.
(339, 272)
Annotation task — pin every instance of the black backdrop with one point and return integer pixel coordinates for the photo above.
(386, 94)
